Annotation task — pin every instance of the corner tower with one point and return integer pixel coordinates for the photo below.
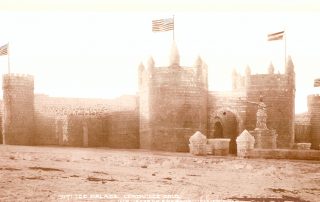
(278, 93)
(173, 103)
(314, 112)
(18, 105)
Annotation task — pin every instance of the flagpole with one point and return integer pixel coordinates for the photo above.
(285, 47)
(173, 28)
(8, 59)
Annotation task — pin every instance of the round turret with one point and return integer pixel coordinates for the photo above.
(141, 67)
(289, 66)
(271, 68)
(198, 62)
(248, 71)
(150, 63)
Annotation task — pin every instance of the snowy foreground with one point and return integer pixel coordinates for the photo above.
(101, 174)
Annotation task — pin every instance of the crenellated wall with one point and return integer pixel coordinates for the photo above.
(87, 122)
(173, 103)
(314, 111)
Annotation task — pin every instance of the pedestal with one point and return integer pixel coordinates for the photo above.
(264, 138)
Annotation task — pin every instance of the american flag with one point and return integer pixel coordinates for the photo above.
(316, 83)
(4, 49)
(276, 36)
(163, 25)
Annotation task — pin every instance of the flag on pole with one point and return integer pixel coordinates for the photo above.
(276, 36)
(163, 25)
(4, 49)
(316, 82)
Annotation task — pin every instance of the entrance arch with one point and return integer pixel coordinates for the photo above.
(224, 123)
(217, 130)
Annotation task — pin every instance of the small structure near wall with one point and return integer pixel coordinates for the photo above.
(245, 143)
(198, 144)
(219, 146)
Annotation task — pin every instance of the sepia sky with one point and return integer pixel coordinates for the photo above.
(93, 48)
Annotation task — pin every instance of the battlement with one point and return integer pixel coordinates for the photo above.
(83, 106)
(151, 68)
(314, 100)
(24, 80)
(268, 80)
(19, 76)
(314, 95)
(261, 80)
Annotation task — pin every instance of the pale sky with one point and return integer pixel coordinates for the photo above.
(93, 48)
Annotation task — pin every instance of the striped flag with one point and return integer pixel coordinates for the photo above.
(276, 36)
(316, 83)
(4, 49)
(163, 25)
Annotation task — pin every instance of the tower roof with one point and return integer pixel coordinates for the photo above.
(248, 70)
(198, 62)
(271, 68)
(141, 66)
(289, 65)
(150, 63)
(174, 55)
(234, 72)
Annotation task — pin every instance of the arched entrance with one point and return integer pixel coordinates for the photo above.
(224, 123)
(217, 130)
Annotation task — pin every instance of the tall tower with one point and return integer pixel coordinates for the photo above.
(173, 103)
(314, 111)
(278, 93)
(18, 105)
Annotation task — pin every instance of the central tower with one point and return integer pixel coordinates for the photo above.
(173, 103)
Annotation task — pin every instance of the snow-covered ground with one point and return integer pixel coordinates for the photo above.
(102, 174)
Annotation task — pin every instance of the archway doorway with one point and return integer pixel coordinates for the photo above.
(224, 124)
(217, 130)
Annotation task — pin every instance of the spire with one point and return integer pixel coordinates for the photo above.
(150, 63)
(141, 67)
(234, 72)
(289, 65)
(174, 55)
(271, 68)
(234, 79)
(248, 70)
(198, 62)
(247, 78)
